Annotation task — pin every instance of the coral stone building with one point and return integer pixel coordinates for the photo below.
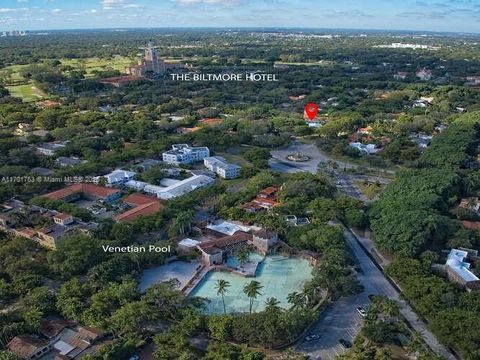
(152, 63)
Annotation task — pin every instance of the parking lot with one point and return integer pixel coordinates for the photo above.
(338, 320)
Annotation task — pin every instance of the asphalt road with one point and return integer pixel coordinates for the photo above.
(341, 320)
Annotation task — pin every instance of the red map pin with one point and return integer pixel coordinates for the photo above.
(311, 110)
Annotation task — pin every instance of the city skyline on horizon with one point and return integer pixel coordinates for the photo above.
(413, 15)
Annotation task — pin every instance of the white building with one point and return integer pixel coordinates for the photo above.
(185, 186)
(174, 188)
(314, 123)
(424, 74)
(365, 149)
(185, 154)
(136, 185)
(221, 167)
(458, 269)
(117, 177)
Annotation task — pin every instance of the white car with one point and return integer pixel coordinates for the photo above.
(362, 311)
(312, 337)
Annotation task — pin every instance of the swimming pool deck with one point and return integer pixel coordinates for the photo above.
(278, 276)
(181, 270)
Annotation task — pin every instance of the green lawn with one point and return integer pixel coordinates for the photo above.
(91, 64)
(236, 159)
(28, 92)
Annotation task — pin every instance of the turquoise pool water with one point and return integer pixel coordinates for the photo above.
(233, 262)
(279, 276)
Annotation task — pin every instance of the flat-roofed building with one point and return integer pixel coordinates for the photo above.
(184, 186)
(185, 154)
(49, 149)
(221, 167)
(117, 177)
(458, 270)
(69, 161)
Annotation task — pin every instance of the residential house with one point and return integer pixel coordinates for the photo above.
(266, 200)
(365, 131)
(58, 339)
(23, 129)
(471, 203)
(210, 121)
(424, 74)
(62, 225)
(63, 161)
(29, 347)
(49, 149)
(421, 140)
(458, 270)
(473, 80)
(401, 75)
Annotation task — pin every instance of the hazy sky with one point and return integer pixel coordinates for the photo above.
(436, 15)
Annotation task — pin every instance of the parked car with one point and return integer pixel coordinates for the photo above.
(362, 311)
(312, 337)
(345, 343)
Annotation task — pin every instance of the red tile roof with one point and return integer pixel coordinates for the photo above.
(139, 199)
(269, 191)
(211, 121)
(471, 224)
(473, 285)
(144, 205)
(214, 246)
(62, 216)
(266, 202)
(252, 206)
(25, 346)
(92, 189)
(52, 327)
(27, 232)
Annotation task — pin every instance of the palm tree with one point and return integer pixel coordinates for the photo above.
(296, 299)
(183, 222)
(242, 256)
(252, 290)
(272, 305)
(222, 288)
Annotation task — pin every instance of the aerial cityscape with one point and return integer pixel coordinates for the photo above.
(239, 179)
